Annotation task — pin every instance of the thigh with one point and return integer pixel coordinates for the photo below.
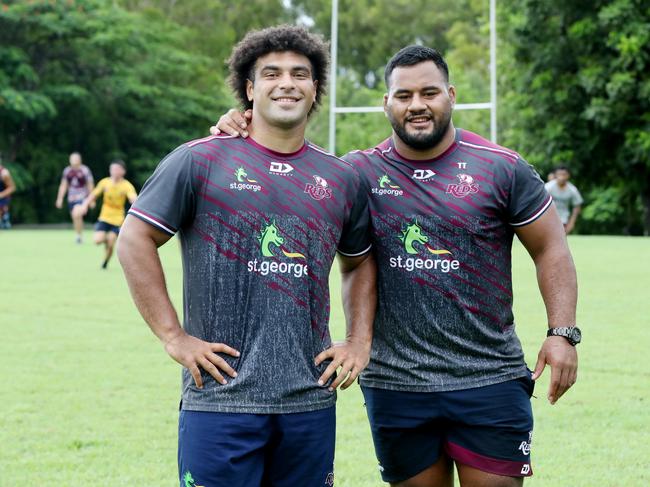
(218, 449)
(111, 235)
(302, 449)
(407, 431)
(492, 429)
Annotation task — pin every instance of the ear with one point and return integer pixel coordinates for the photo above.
(386, 104)
(452, 94)
(249, 90)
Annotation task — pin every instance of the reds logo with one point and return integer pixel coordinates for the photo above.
(465, 186)
(319, 190)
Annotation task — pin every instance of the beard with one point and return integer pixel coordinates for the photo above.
(422, 140)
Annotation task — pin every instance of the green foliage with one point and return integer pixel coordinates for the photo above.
(579, 93)
(90, 76)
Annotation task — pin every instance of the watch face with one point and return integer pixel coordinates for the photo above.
(576, 335)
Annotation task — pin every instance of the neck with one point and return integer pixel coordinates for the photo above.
(276, 138)
(425, 154)
(116, 180)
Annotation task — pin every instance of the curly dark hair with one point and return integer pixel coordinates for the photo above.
(282, 38)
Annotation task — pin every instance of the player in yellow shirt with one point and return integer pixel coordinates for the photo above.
(115, 191)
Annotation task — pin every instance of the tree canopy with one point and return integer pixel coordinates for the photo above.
(135, 78)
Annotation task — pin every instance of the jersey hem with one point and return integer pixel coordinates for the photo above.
(536, 215)
(257, 408)
(152, 221)
(391, 386)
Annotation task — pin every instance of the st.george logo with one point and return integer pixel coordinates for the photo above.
(270, 235)
(319, 190)
(412, 235)
(188, 481)
(465, 186)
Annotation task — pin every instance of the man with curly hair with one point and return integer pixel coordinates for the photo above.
(260, 221)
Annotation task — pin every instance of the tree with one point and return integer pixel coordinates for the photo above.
(90, 76)
(581, 94)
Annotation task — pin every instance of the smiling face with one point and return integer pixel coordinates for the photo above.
(282, 91)
(419, 104)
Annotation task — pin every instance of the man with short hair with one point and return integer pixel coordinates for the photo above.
(77, 181)
(566, 197)
(115, 191)
(260, 221)
(7, 188)
(447, 381)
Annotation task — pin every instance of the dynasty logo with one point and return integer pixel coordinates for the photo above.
(270, 239)
(414, 241)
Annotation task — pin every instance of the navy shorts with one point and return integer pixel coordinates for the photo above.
(72, 204)
(245, 450)
(489, 428)
(101, 226)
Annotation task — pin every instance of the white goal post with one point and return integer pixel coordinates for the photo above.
(334, 109)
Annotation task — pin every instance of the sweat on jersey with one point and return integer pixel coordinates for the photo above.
(259, 231)
(442, 235)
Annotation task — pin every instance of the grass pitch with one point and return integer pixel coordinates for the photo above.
(90, 398)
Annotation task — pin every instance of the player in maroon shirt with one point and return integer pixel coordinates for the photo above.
(77, 181)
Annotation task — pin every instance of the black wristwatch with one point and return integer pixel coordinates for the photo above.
(571, 333)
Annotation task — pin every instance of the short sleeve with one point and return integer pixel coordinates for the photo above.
(99, 189)
(355, 238)
(89, 175)
(131, 192)
(167, 198)
(529, 199)
(576, 199)
(64, 174)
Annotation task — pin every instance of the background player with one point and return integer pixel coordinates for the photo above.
(447, 381)
(566, 197)
(260, 221)
(77, 181)
(115, 192)
(7, 188)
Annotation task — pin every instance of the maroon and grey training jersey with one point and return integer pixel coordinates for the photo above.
(442, 233)
(78, 179)
(259, 231)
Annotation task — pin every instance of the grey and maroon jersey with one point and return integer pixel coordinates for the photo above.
(259, 231)
(442, 234)
(78, 179)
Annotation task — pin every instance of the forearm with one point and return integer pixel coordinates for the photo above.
(574, 216)
(556, 277)
(61, 192)
(359, 296)
(8, 191)
(145, 277)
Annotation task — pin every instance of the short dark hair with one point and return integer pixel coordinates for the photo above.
(562, 168)
(412, 55)
(277, 39)
(119, 162)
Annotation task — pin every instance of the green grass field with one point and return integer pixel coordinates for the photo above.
(89, 397)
